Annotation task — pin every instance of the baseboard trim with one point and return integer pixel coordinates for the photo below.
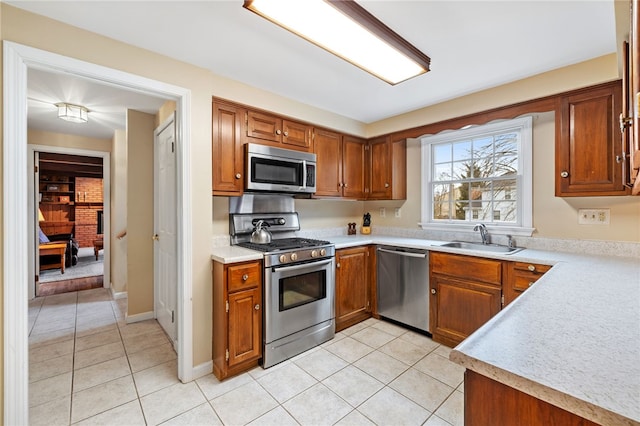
(202, 370)
(118, 295)
(139, 317)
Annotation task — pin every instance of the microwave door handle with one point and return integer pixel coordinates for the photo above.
(304, 173)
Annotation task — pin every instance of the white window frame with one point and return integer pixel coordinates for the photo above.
(524, 222)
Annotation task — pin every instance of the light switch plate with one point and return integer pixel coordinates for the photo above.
(593, 216)
(397, 212)
(383, 212)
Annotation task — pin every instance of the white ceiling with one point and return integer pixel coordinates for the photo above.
(473, 45)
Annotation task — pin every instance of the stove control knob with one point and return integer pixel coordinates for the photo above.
(314, 253)
(283, 258)
(323, 252)
(294, 257)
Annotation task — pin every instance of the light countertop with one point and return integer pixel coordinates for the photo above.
(572, 340)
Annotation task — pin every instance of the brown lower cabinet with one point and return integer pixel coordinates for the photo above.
(237, 317)
(465, 293)
(353, 289)
(519, 277)
(491, 403)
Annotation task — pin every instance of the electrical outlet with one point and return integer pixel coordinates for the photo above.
(397, 212)
(593, 216)
(383, 212)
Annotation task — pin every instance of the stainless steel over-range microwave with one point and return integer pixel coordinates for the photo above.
(279, 170)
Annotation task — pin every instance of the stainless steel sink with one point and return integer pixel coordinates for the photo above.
(494, 248)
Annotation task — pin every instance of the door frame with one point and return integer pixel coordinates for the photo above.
(33, 210)
(17, 59)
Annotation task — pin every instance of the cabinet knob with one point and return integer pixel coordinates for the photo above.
(532, 268)
(564, 174)
(238, 175)
(531, 283)
(286, 134)
(278, 132)
(257, 307)
(386, 184)
(344, 185)
(433, 291)
(245, 277)
(338, 265)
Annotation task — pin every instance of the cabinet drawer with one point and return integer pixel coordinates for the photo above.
(522, 281)
(243, 276)
(469, 267)
(531, 267)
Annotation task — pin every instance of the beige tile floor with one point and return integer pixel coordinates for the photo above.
(87, 366)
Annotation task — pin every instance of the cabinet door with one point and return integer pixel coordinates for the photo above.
(226, 147)
(459, 307)
(352, 286)
(328, 149)
(353, 166)
(264, 126)
(589, 144)
(296, 134)
(379, 169)
(245, 325)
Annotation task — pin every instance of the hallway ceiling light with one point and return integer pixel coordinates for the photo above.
(72, 113)
(344, 28)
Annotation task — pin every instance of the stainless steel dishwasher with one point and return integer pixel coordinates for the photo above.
(403, 285)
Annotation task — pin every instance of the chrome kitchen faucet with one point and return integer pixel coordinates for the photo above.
(484, 234)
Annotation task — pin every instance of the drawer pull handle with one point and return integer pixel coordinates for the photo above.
(245, 277)
(257, 307)
(531, 268)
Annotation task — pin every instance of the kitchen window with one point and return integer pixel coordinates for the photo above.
(480, 174)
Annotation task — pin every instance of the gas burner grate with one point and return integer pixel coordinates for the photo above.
(285, 244)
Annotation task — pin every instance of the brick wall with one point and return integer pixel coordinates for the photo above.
(88, 202)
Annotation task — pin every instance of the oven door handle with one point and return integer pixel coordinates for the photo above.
(303, 266)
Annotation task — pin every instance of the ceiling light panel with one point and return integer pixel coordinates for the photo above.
(346, 35)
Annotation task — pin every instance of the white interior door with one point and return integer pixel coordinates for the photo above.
(165, 215)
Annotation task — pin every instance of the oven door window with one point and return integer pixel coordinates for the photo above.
(264, 170)
(301, 289)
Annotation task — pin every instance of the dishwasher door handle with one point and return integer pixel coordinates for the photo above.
(404, 253)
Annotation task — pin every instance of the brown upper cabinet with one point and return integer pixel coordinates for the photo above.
(387, 168)
(341, 161)
(271, 128)
(589, 143)
(226, 147)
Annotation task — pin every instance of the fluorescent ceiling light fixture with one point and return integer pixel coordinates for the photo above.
(345, 29)
(73, 113)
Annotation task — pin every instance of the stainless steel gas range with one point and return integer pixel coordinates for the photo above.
(299, 277)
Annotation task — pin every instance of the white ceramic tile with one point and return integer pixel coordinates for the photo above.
(151, 357)
(55, 350)
(354, 328)
(133, 344)
(453, 409)
(51, 367)
(286, 382)
(103, 372)
(49, 389)
(278, 416)
(98, 354)
(442, 369)
(321, 364)
(98, 339)
(243, 404)
(156, 378)
(201, 415)
(349, 349)
(170, 402)
(373, 337)
(422, 389)
(129, 414)
(420, 340)
(404, 351)
(355, 418)
(383, 367)
(353, 385)
(98, 399)
(436, 421)
(52, 413)
(139, 328)
(389, 328)
(213, 388)
(44, 339)
(310, 407)
(388, 407)
(96, 327)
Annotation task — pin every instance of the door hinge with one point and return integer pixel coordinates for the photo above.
(35, 169)
(173, 145)
(173, 316)
(227, 306)
(502, 301)
(226, 355)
